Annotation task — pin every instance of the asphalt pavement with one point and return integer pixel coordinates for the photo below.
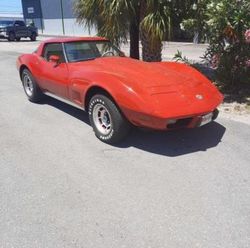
(61, 187)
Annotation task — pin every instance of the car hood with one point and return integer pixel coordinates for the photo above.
(142, 73)
(149, 76)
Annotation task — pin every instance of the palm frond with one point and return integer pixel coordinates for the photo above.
(156, 22)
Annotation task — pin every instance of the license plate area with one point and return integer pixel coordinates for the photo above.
(205, 119)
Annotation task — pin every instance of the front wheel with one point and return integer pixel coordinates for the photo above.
(30, 86)
(33, 37)
(108, 123)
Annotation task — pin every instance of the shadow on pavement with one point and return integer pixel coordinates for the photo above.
(73, 111)
(178, 142)
(172, 143)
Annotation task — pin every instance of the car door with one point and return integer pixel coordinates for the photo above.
(20, 29)
(54, 76)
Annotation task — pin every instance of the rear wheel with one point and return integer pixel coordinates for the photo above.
(30, 86)
(33, 37)
(108, 123)
(12, 36)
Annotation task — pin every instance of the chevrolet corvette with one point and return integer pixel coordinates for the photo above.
(118, 92)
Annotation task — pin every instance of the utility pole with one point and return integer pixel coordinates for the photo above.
(62, 17)
(41, 15)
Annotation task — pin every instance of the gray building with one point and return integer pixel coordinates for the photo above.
(53, 17)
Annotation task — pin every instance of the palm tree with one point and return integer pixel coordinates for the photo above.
(89, 13)
(114, 19)
(122, 17)
(154, 25)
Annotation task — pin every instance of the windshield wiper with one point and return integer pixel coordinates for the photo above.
(80, 60)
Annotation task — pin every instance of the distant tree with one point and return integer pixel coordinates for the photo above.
(196, 20)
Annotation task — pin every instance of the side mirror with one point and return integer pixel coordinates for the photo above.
(54, 59)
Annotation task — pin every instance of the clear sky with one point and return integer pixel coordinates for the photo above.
(10, 6)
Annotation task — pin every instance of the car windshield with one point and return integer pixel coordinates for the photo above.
(5, 23)
(88, 50)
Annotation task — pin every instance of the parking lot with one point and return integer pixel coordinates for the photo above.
(61, 187)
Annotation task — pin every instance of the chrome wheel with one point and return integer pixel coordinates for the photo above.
(28, 85)
(102, 119)
(106, 119)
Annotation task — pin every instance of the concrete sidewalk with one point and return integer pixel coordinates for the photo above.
(192, 51)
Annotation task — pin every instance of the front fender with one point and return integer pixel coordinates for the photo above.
(125, 94)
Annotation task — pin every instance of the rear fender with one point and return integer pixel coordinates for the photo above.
(28, 61)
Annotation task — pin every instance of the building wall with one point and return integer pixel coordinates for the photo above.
(55, 27)
(54, 17)
(52, 9)
(32, 12)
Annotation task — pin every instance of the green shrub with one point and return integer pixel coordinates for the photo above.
(225, 24)
(229, 42)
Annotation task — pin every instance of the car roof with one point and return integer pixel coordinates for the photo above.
(72, 39)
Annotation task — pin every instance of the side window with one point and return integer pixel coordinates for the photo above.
(54, 49)
(19, 23)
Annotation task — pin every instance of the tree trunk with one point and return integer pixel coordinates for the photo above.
(150, 52)
(134, 40)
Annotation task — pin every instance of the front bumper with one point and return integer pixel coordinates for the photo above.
(191, 122)
(153, 122)
(3, 34)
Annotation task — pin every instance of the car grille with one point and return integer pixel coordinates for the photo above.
(181, 123)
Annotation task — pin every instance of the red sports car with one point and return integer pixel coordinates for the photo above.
(116, 91)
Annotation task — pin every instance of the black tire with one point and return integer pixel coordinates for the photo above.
(30, 87)
(18, 39)
(119, 126)
(33, 37)
(12, 36)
